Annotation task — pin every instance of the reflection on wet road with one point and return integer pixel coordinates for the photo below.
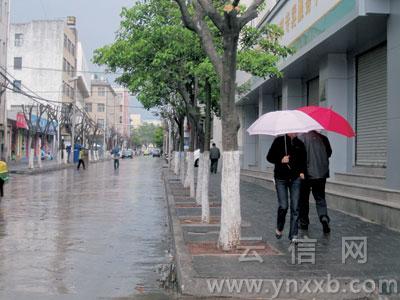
(85, 234)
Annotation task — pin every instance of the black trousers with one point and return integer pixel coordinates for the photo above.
(116, 164)
(81, 162)
(1, 187)
(214, 166)
(317, 187)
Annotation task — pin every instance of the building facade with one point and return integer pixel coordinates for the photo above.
(44, 57)
(102, 108)
(347, 58)
(4, 38)
(136, 120)
(122, 112)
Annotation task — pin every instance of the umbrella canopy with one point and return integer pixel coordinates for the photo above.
(329, 119)
(282, 122)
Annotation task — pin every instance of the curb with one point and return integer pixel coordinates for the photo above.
(187, 285)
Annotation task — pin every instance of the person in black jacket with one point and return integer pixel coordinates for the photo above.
(288, 155)
(318, 151)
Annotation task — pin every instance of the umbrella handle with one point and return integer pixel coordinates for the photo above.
(285, 145)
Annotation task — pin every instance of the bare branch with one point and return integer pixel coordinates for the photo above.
(250, 14)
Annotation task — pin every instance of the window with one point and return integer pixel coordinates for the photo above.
(73, 49)
(17, 63)
(100, 122)
(17, 85)
(65, 41)
(100, 107)
(69, 46)
(88, 107)
(101, 91)
(64, 65)
(120, 119)
(18, 40)
(72, 71)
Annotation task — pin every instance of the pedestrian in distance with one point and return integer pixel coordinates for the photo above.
(215, 154)
(318, 151)
(116, 155)
(3, 176)
(288, 155)
(81, 158)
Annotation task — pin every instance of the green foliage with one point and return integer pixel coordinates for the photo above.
(244, 88)
(155, 53)
(147, 134)
(261, 50)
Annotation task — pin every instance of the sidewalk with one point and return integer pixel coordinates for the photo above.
(47, 166)
(201, 266)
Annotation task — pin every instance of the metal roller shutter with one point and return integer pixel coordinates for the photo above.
(371, 139)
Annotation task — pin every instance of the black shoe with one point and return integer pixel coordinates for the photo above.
(278, 235)
(303, 226)
(325, 226)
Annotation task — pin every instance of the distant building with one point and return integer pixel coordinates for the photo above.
(4, 24)
(122, 113)
(45, 58)
(108, 106)
(136, 120)
(155, 122)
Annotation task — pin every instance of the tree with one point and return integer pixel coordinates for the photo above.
(159, 59)
(224, 22)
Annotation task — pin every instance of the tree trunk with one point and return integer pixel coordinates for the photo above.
(31, 152)
(176, 162)
(39, 148)
(229, 235)
(199, 187)
(205, 203)
(182, 152)
(189, 180)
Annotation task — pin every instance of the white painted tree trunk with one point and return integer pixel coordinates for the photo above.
(176, 162)
(205, 203)
(190, 174)
(229, 235)
(39, 157)
(186, 183)
(31, 154)
(90, 155)
(65, 156)
(59, 161)
(199, 188)
(182, 167)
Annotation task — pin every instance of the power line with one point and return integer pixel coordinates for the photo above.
(61, 70)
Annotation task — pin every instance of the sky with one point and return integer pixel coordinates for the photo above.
(96, 21)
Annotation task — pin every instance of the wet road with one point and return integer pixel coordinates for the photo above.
(84, 234)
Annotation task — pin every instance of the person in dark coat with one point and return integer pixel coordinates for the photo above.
(214, 157)
(288, 155)
(318, 151)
